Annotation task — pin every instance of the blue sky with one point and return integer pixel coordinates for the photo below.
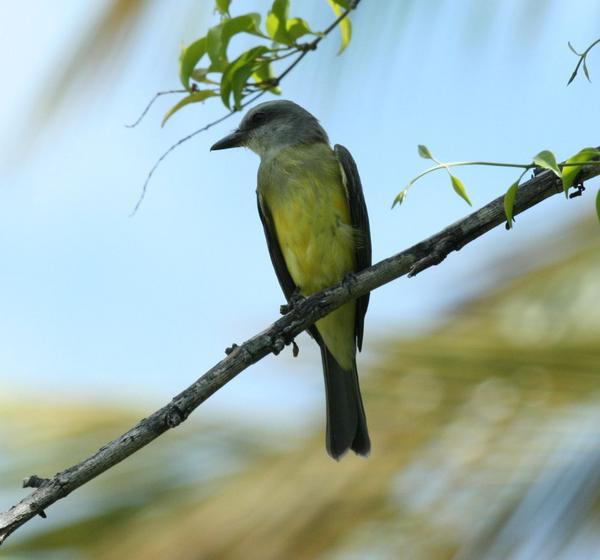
(97, 305)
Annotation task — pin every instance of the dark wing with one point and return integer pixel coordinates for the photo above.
(285, 280)
(360, 221)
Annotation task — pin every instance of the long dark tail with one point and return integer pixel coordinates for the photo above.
(346, 421)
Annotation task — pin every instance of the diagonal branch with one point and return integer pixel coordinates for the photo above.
(410, 262)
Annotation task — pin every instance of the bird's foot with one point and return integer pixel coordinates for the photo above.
(349, 278)
(295, 299)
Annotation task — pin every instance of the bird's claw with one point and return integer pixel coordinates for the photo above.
(349, 279)
(294, 300)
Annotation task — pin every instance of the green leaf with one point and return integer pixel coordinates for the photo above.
(598, 204)
(296, 28)
(424, 152)
(222, 6)
(342, 3)
(243, 66)
(509, 203)
(200, 75)
(239, 81)
(459, 188)
(570, 172)
(572, 48)
(218, 37)
(344, 25)
(585, 71)
(264, 73)
(277, 22)
(188, 59)
(547, 160)
(400, 197)
(195, 97)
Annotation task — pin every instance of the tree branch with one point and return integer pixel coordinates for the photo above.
(417, 258)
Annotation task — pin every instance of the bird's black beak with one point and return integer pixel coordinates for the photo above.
(233, 140)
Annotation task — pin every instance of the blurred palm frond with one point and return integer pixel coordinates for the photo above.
(475, 427)
(94, 58)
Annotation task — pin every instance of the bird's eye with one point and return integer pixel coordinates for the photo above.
(258, 118)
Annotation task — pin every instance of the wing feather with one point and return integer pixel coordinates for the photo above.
(360, 221)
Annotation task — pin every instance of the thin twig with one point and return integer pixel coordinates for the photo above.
(156, 96)
(417, 258)
(181, 141)
(582, 60)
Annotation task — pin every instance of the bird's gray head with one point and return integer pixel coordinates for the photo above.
(273, 125)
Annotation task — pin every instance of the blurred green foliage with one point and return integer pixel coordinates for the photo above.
(465, 419)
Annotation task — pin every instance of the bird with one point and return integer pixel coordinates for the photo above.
(312, 208)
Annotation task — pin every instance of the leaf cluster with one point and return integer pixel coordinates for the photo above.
(207, 70)
(566, 171)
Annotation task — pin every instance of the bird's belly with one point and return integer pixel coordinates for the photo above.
(319, 251)
(316, 242)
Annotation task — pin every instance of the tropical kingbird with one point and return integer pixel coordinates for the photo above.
(313, 211)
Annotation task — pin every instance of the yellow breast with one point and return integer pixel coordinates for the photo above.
(307, 199)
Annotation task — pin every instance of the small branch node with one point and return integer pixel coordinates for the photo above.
(306, 47)
(278, 345)
(435, 257)
(231, 348)
(61, 481)
(174, 416)
(34, 481)
(295, 349)
(266, 84)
